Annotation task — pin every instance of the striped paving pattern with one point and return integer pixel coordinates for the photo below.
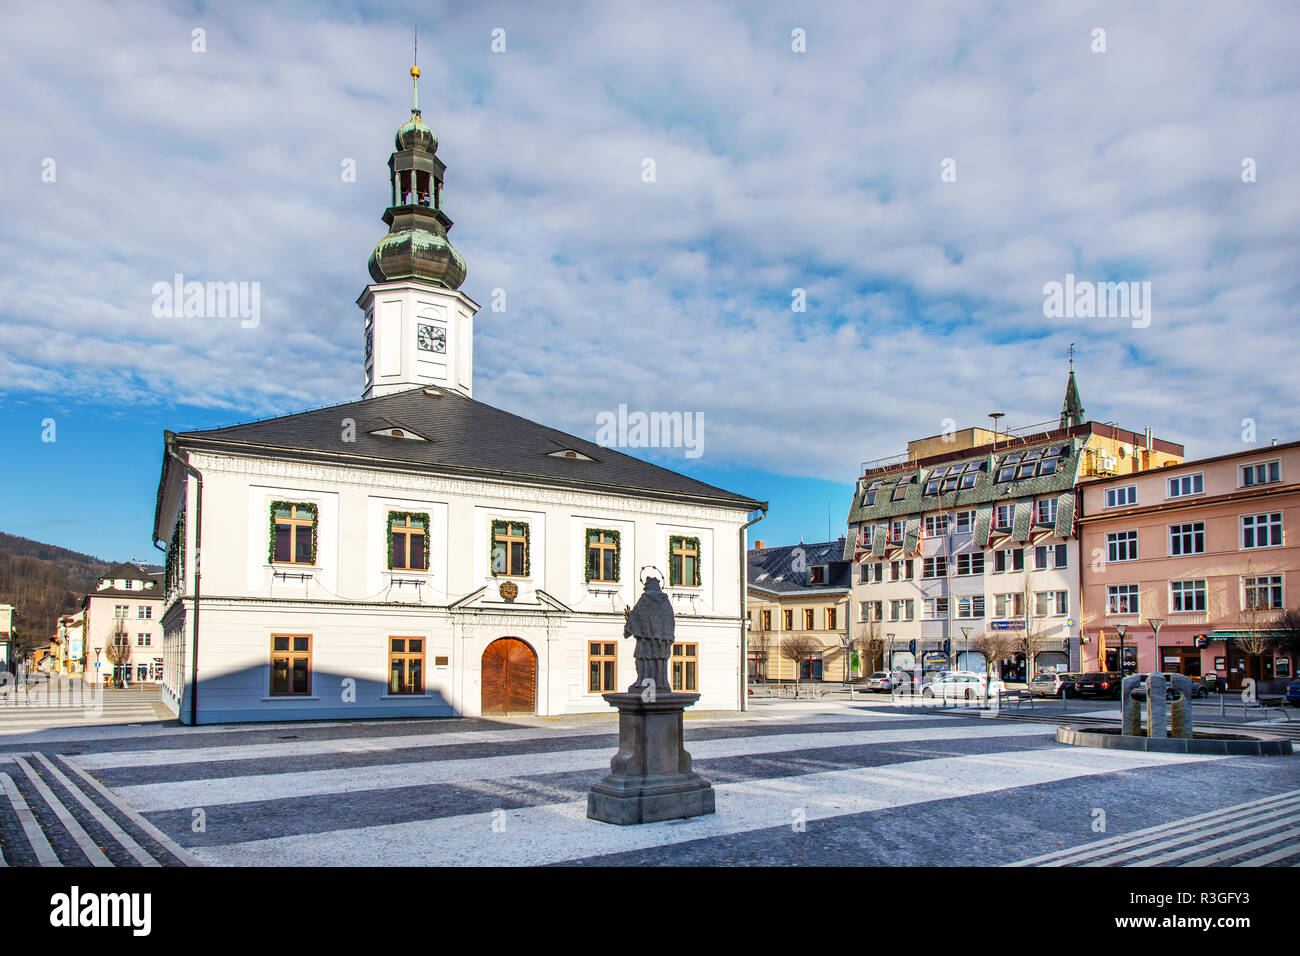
(73, 706)
(832, 783)
(1258, 833)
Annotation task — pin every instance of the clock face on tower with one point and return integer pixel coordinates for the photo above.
(432, 338)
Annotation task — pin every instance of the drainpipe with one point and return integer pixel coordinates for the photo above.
(169, 438)
(744, 617)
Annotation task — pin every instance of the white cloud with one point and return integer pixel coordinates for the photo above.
(775, 170)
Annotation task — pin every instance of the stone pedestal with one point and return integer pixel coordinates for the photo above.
(650, 778)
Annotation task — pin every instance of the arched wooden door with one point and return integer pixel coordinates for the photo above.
(509, 678)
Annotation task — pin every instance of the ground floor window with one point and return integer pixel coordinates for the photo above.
(602, 666)
(685, 667)
(290, 665)
(811, 669)
(406, 665)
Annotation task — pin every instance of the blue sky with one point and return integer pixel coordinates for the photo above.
(776, 170)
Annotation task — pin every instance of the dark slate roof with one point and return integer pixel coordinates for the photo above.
(772, 569)
(985, 491)
(465, 437)
(126, 571)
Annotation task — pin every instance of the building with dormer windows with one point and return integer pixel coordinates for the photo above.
(976, 530)
(419, 552)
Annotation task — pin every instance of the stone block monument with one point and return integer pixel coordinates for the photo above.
(650, 778)
(1158, 706)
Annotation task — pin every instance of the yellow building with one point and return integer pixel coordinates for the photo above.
(799, 591)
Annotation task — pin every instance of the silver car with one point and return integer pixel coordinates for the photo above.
(880, 680)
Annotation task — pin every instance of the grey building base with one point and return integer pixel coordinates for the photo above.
(650, 778)
(1223, 745)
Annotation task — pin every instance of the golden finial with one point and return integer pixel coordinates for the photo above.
(415, 73)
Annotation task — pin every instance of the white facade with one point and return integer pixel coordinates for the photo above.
(932, 609)
(351, 604)
(417, 334)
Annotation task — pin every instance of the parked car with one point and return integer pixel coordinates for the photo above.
(1293, 693)
(967, 685)
(1198, 689)
(1099, 684)
(880, 680)
(903, 682)
(1053, 684)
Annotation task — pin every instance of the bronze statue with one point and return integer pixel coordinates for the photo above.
(651, 623)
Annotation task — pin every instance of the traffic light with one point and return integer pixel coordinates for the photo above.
(911, 647)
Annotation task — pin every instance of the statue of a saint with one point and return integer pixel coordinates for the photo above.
(651, 622)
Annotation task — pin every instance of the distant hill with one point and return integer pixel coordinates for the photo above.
(43, 582)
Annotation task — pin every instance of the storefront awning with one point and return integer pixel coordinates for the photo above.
(1229, 635)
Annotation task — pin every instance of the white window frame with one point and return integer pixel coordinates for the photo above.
(970, 522)
(1252, 583)
(1132, 591)
(931, 611)
(969, 601)
(1269, 465)
(933, 563)
(1113, 542)
(936, 525)
(1195, 481)
(970, 557)
(1016, 601)
(1197, 531)
(1038, 511)
(1196, 587)
(1267, 525)
(1010, 511)
(1113, 496)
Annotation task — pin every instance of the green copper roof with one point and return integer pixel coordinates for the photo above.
(414, 134)
(1072, 410)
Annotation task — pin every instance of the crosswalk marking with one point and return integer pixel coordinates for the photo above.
(131, 847)
(1272, 812)
(1064, 857)
(45, 854)
(93, 853)
(170, 845)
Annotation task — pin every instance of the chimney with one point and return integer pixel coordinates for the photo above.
(758, 545)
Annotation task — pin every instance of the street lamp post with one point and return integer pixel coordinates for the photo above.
(889, 664)
(1121, 630)
(1155, 623)
(965, 633)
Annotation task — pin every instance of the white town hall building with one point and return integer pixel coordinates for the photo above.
(419, 553)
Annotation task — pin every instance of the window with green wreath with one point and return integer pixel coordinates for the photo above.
(510, 549)
(683, 562)
(602, 555)
(408, 535)
(293, 533)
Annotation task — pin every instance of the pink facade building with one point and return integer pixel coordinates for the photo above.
(1207, 549)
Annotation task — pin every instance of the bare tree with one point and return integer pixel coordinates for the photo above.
(1032, 640)
(995, 646)
(118, 651)
(797, 650)
(871, 645)
(758, 644)
(1287, 629)
(1253, 640)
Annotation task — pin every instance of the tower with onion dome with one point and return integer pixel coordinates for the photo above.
(418, 327)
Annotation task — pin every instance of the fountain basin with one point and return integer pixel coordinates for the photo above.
(1233, 745)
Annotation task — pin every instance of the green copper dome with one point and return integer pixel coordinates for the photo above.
(416, 247)
(413, 134)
